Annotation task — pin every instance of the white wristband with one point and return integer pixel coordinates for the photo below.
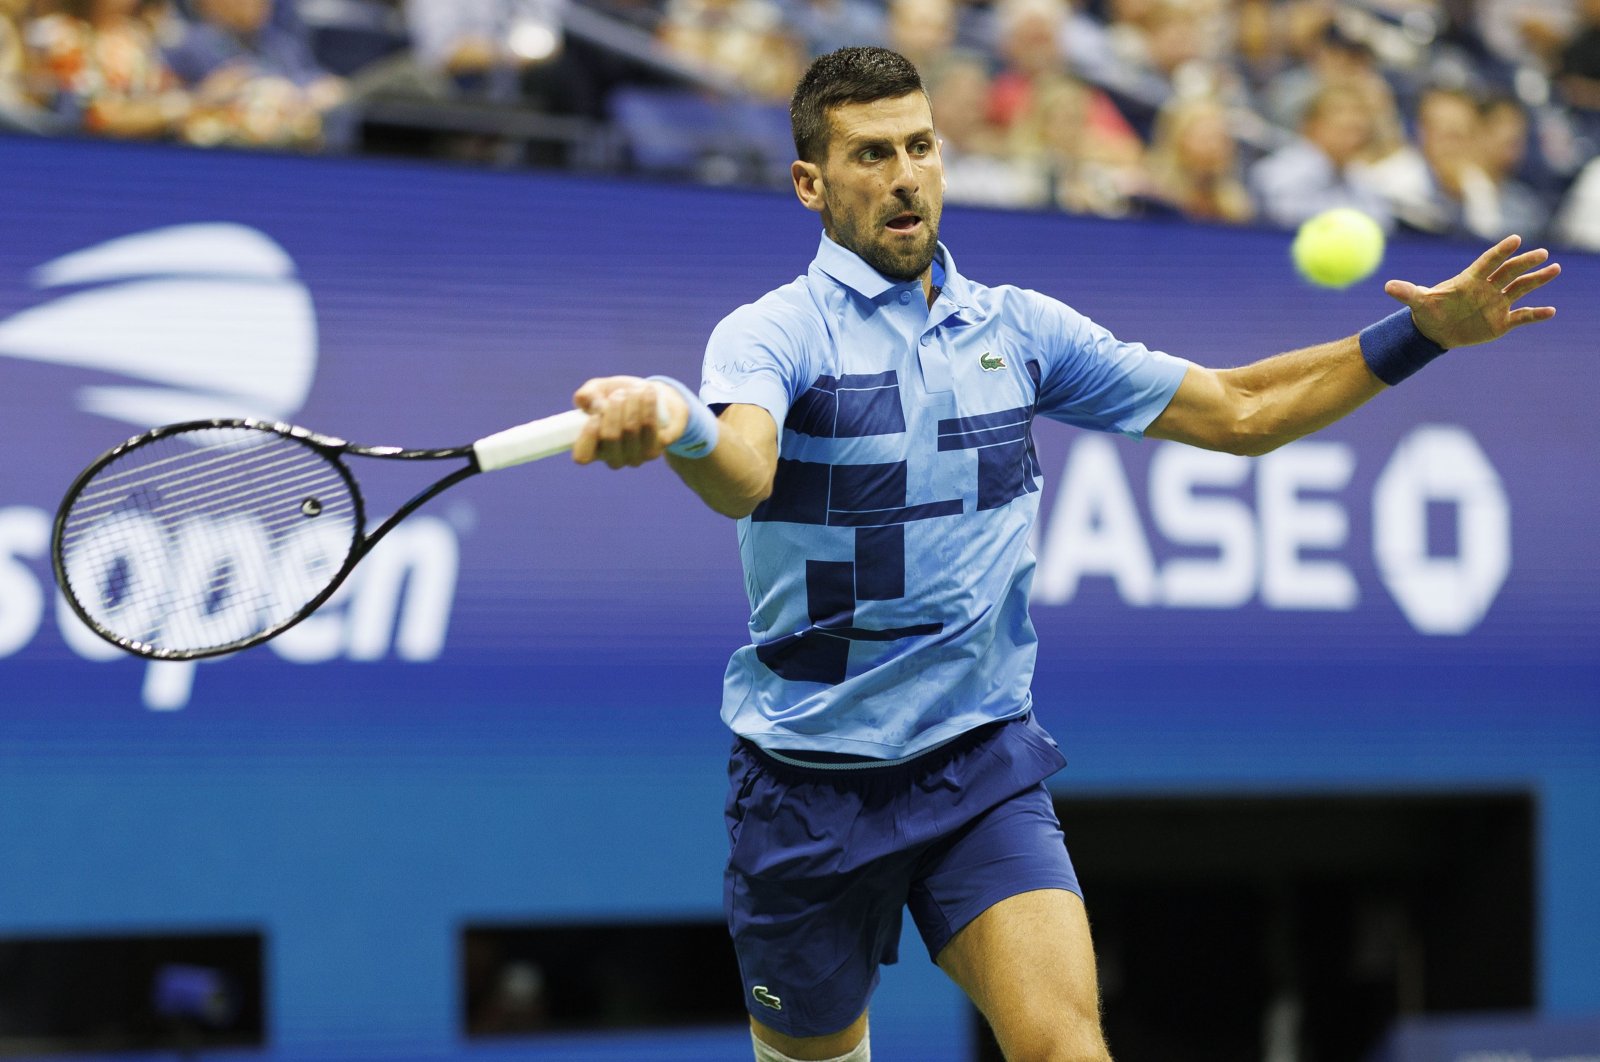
(699, 436)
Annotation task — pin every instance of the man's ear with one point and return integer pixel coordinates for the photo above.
(807, 177)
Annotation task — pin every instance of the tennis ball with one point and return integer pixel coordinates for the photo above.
(1338, 247)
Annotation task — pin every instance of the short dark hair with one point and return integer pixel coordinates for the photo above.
(849, 75)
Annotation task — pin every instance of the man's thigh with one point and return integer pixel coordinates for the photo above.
(1016, 846)
(1028, 964)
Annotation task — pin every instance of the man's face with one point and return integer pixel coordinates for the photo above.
(1342, 128)
(1447, 131)
(880, 189)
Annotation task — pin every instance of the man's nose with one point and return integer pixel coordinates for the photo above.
(906, 178)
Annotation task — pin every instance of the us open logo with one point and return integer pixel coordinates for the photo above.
(199, 321)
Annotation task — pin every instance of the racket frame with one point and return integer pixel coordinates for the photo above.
(333, 449)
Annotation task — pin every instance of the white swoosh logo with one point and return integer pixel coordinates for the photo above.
(210, 313)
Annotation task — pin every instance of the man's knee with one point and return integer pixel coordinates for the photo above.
(1060, 1053)
(850, 1044)
(766, 1052)
(1052, 1037)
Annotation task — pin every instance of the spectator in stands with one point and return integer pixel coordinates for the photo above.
(18, 109)
(1503, 147)
(745, 41)
(96, 65)
(1261, 38)
(977, 167)
(1088, 167)
(1524, 33)
(924, 31)
(1439, 186)
(256, 82)
(512, 51)
(466, 45)
(1320, 170)
(1178, 47)
(1029, 39)
(1331, 57)
(1194, 163)
(1087, 43)
(1578, 71)
(828, 25)
(1578, 222)
(11, 53)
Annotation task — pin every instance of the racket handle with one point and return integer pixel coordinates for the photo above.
(531, 441)
(540, 438)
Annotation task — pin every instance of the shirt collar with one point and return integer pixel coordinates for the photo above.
(851, 270)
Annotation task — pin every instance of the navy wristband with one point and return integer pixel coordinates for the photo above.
(699, 436)
(1394, 347)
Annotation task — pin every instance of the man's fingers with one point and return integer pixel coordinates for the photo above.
(1494, 257)
(1524, 284)
(622, 429)
(1519, 265)
(583, 449)
(1403, 290)
(1530, 314)
(628, 445)
(594, 391)
(609, 412)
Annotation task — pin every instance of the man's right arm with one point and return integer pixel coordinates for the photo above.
(626, 429)
(736, 476)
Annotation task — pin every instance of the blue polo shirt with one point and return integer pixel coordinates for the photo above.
(889, 572)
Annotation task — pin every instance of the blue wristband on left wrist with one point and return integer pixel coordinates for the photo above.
(1395, 347)
(699, 436)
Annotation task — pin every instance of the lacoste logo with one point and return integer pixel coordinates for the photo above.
(991, 362)
(765, 998)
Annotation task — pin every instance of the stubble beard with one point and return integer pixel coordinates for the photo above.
(903, 263)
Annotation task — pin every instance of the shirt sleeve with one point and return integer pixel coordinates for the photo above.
(753, 358)
(1094, 380)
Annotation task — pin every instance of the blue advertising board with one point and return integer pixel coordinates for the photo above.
(511, 712)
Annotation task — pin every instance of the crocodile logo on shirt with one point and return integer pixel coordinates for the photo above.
(991, 362)
(765, 998)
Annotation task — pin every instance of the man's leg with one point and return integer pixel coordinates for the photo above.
(1028, 965)
(846, 1044)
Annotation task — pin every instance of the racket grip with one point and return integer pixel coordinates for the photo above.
(540, 438)
(531, 441)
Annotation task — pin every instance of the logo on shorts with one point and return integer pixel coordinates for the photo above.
(765, 998)
(991, 362)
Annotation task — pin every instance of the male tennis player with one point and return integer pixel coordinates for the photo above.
(868, 425)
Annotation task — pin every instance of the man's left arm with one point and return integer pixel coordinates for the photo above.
(1259, 407)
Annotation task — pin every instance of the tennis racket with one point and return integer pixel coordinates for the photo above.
(207, 537)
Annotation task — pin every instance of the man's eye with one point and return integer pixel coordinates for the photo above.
(871, 155)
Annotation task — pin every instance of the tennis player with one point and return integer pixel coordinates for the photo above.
(868, 425)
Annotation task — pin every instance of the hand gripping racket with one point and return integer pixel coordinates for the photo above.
(206, 537)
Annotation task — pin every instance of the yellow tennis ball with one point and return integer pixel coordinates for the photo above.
(1338, 247)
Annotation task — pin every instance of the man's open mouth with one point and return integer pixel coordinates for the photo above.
(904, 222)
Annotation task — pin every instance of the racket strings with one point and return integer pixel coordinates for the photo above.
(238, 489)
(210, 474)
(204, 539)
(190, 457)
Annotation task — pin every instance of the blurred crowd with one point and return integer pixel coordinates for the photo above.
(222, 72)
(1469, 118)
(1456, 117)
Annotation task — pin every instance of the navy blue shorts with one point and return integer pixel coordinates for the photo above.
(823, 859)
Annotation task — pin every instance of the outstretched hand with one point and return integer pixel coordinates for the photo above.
(1476, 305)
(631, 420)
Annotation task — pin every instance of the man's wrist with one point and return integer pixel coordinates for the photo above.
(699, 436)
(1395, 348)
